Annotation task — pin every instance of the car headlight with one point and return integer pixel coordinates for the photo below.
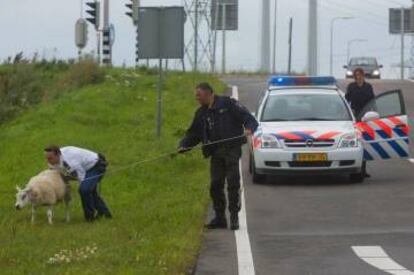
(270, 142)
(349, 73)
(350, 140)
(376, 72)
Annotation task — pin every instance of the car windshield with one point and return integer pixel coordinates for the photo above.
(363, 62)
(305, 107)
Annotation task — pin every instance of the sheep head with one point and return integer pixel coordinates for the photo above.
(23, 197)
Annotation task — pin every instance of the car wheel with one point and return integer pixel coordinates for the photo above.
(256, 178)
(358, 177)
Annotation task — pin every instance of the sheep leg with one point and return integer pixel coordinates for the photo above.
(33, 213)
(50, 214)
(67, 212)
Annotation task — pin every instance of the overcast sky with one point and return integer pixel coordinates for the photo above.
(47, 27)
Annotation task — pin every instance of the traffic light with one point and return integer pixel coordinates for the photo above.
(133, 8)
(95, 11)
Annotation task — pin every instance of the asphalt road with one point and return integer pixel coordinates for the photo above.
(308, 225)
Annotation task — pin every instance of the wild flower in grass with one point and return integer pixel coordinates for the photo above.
(66, 256)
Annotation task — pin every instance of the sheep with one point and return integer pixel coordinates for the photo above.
(46, 189)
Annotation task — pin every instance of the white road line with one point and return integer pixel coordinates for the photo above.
(244, 251)
(377, 257)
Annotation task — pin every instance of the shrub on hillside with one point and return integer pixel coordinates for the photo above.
(20, 88)
(84, 73)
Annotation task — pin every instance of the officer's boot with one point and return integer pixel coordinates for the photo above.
(234, 221)
(218, 222)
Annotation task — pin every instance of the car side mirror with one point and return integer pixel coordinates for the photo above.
(381, 66)
(370, 116)
(345, 66)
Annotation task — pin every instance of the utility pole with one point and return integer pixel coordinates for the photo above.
(402, 42)
(290, 46)
(313, 38)
(216, 24)
(265, 37)
(274, 38)
(106, 31)
(94, 12)
(224, 25)
(196, 35)
(133, 12)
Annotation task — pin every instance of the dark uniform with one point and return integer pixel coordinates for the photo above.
(359, 96)
(226, 119)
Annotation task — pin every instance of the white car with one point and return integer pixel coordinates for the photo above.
(307, 127)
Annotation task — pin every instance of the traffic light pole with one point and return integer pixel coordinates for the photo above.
(98, 47)
(402, 43)
(224, 25)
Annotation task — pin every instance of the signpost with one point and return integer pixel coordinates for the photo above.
(161, 36)
(400, 22)
(225, 15)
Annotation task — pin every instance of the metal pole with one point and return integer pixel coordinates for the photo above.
(223, 64)
(159, 100)
(196, 36)
(331, 46)
(265, 37)
(274, 39)
(98, 41)
(402, 43)
(290, 46)
(313, 38)
(216, 23)
(106, 15)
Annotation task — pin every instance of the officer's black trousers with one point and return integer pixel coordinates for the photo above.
(225, 168)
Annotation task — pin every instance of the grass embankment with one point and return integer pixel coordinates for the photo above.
(158, 208)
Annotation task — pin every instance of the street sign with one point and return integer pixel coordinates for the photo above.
(231, 18)
(161, 33)
(160, 36)
(395, 21)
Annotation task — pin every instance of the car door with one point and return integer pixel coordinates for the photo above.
(386, 137)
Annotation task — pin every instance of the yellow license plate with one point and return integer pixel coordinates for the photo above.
(311, 157)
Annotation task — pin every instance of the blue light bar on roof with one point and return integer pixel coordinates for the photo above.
(302, 81)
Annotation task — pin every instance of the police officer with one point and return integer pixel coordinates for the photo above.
(86, 166)
(359, 93)
(220, 118)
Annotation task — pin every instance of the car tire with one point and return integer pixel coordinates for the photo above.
(256, 178)
(358, 177)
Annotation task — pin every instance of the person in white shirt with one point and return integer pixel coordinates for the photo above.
(88, 168)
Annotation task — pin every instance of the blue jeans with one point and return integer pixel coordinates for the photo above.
(93, 205)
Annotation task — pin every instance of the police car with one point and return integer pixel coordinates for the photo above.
(307, 127)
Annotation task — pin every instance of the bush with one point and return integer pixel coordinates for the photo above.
(24, 83)
(20, 88)
(84, 73)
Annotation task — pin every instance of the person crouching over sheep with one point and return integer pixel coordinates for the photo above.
(87, 167)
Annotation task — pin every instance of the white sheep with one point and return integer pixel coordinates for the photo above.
(46, 189)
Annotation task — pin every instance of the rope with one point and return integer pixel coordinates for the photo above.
(166, 155)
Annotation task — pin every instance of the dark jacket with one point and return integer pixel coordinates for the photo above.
(359, 97)
(225, 120)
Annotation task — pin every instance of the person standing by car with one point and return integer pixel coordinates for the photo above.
(220, 118)
(359, 93)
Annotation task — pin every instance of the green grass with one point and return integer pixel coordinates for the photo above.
(158, 207)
